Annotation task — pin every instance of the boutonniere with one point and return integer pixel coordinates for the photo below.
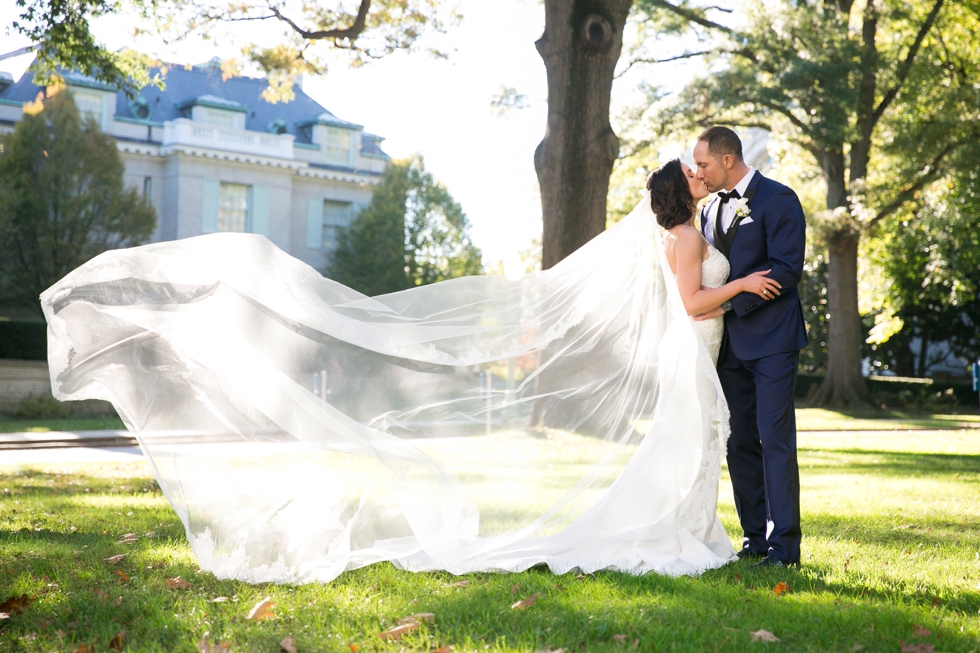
(741, 208)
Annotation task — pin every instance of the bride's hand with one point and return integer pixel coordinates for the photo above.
(761, 285)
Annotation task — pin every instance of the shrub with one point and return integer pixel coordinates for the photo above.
(24, 340)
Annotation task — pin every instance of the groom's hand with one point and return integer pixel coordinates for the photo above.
(710, 314)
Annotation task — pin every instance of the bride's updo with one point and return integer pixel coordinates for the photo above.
(670, 195)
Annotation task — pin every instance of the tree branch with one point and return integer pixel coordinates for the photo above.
(906, 66)
(693, 16)
(929, 174)
(686, 55)
(349, 33)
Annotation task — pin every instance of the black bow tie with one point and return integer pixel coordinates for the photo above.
(733, 195)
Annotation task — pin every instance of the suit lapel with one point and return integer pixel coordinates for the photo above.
(729, 236)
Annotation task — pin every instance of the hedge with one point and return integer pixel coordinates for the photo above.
(23, 340)
(894, 391)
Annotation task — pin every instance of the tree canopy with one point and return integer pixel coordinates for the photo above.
(413, 233)
(62, 199)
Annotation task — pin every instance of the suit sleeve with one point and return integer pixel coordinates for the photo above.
(786, 245)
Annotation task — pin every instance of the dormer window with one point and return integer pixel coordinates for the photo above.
(218, 118)
(278, 126)
(89, 104)
(140, 108)
(338, 145)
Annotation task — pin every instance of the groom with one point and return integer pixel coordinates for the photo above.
(758, 224)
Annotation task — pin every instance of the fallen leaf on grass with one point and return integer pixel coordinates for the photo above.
(116, 644)
(417, 618)
(114, 559)
(764, 636)
(738, 577)
(442, 649)
(462, 583)
(515, 588)
(584, 576)
(178, 583)
(398, 631)
(220, 599)
(122, 575)
(857, 647)
(353, 647)
(636, 643)
(128, 538)
(288, 645)
(936, 601)
(16, 604)
(916, 648)
(525, 603)
(117, 602)
(780, 589)
(550, 650)
(619, 638)
(262, 610)
(204, 647)
(919, 631)
(150, 534)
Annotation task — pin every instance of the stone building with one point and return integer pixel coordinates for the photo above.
(210, 154)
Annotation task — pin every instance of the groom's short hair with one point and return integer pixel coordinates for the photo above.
(722, 141)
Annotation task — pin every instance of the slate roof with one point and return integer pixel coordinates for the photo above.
(186, 86)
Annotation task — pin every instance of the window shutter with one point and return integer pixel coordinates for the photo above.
(260, 210)
(209, 208)
(314, 223)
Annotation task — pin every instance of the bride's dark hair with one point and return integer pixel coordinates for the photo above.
(670, 194)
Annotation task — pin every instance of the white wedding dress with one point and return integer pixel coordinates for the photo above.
(571, 417)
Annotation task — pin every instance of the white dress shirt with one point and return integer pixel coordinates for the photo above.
(728, 210)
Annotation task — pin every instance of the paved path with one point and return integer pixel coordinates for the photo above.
(114, 446)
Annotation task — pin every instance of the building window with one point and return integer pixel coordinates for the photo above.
(336, 216)
(232, 207)
(147, 189)
(338, 146)
(218, 118)
(89, 103)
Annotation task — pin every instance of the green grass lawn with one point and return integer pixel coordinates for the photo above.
(819, 419)
(891, 553)
(68, 424)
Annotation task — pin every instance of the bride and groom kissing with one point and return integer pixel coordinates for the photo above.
(753, 324)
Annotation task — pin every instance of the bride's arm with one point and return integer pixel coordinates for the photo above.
(689, 249)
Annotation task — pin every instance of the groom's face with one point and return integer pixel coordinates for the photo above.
(711, 168)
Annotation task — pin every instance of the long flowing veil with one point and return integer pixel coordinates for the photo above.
(300, 429)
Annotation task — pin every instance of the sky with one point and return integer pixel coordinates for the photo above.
(421, 104)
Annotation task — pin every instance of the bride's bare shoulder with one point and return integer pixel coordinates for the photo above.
(686, 236)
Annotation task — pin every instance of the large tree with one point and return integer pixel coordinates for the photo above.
(413, 233)
(881, 94)
(62, 199)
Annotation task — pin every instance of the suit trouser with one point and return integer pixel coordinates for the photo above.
(762, 450)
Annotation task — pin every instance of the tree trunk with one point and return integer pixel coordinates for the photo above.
(581, 44)
(844, 386)
(923, 354)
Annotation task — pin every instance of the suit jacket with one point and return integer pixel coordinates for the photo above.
(772, 236)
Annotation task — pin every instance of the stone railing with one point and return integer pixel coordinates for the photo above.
(187, 132)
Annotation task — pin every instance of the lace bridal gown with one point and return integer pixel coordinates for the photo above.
(571, 417)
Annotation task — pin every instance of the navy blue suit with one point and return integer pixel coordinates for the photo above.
(757, 368)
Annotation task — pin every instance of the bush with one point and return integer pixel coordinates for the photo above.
(24, 340)
(900, 392)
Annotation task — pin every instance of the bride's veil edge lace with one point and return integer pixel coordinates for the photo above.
(300, 429)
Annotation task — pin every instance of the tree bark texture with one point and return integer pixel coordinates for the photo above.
(581, 44)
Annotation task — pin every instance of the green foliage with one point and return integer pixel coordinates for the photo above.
(67, 43)
(890, 525)
(23, 340)
(900, 393)
(413, 233)
(364, 30)
(930, 277)
(62, 199)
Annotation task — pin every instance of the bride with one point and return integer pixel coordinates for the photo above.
(571, 417)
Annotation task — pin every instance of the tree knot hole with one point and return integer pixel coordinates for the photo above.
(596, 32)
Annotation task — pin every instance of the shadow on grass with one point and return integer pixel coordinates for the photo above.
(889, 463)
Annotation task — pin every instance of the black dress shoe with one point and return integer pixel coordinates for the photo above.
(747, 554)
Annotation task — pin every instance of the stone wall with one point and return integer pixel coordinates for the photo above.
(24, 380)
